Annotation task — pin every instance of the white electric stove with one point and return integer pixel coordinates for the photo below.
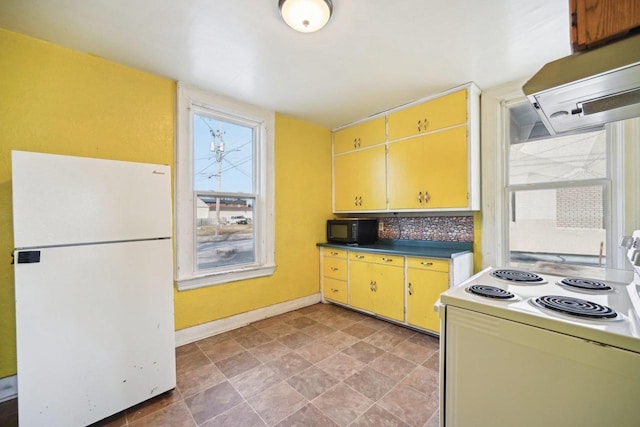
(529, 349)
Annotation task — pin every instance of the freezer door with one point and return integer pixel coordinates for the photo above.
(59, 200)
(95, 331)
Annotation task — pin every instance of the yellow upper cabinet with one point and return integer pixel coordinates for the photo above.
(360, 180)
(439, 113)
(358, 136)
(430, 171)
(429, 161)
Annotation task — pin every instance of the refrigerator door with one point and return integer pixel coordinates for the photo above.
(95, 331)
(63, 200)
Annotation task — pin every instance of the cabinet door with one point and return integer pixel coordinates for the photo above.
(388, 291)
(446, 169)
(424, 289)
(345, 191)
(406, 173)
(360, 180)
(361, 285)
(595, 21)
(359, 136)
(439, 113)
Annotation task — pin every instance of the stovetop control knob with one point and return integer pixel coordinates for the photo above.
(626, 242)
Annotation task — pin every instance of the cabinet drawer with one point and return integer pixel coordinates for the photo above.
(335, 268)
(359, 136)
(335, 290)
(386, 259)
(336, 253)
(428, 264)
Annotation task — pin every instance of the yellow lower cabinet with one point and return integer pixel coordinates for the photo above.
(334, 275)
(388, 290)
(335, 290)
(360, 285)
(376, 284)
(426, 280)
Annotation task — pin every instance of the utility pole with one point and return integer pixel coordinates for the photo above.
(218, 151)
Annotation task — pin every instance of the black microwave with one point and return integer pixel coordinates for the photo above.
(352, 231)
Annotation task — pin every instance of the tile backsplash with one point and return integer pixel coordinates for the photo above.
(438, 228)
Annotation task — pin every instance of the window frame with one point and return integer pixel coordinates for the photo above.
(495, 203)
(186, 274)
(605, 183)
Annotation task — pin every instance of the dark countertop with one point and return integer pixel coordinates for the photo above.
(421, 248)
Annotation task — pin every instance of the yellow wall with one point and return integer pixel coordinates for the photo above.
(59, 101)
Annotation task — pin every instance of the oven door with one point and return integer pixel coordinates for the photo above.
(502, 373)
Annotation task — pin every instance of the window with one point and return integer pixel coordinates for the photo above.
(554, 202)
(224, 190)
(558, 192)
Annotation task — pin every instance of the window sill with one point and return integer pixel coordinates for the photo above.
(195, 282)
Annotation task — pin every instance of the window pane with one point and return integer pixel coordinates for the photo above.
(225, 234)
(223, 155)
(564, 225)
(566, 158)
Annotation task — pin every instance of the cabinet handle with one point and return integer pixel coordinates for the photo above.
(334, 290)
(375, 286)
(355, 201)
(428, 264)
(355, 143)
(334, 269)
(410, 290)
(426, 197)
(420, 197)
(385, 259)
(335, 253)
(371, 285)
(358, 142)
(360, 256)
(422, 125)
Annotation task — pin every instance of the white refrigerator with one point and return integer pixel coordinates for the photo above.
(93, 286)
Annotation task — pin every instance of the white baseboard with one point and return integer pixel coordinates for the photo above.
(195, 333)
(8, 388)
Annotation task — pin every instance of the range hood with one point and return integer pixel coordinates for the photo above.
(588, 89)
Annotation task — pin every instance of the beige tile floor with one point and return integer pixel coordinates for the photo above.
(322, 365)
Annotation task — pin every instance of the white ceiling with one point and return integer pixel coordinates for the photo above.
(371, 56)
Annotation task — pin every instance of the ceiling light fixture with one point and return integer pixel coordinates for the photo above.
(305, 16)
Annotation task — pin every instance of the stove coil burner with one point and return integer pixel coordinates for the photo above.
(517, 276)
(490, 292)
(576, 307)
(587, 284)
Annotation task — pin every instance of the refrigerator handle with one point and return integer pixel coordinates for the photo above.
(27, 257)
